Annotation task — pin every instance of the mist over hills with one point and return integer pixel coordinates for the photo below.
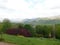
(38, 21)
(46, 20)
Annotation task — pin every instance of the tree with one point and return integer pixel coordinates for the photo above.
(53, 31)
(29, 28)
(47, 30)
(20, 25)
(6, 25)
(39, 30)
(57, 31)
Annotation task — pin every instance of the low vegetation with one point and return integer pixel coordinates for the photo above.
(30, 41)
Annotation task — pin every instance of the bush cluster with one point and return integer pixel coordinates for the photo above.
(15, 31)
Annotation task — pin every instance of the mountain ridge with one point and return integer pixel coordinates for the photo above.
(46, 20)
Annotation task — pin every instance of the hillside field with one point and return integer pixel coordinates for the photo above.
(20, 40)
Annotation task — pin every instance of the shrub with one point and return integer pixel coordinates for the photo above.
(12, 31)
(24, 32)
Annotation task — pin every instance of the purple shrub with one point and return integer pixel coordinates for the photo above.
(22, 31)
(12, 31)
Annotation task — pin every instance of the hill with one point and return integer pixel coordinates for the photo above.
(47, 20)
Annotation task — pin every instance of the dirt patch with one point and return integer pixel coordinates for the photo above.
(4, 43)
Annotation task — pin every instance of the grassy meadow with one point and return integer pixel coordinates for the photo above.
(20, 40)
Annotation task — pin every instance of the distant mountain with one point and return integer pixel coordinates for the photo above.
(54, 17)
(47, 20)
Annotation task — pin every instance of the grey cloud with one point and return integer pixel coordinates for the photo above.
(8, 10)
(3, 0)
(5, 9)
(55, 8)
(2, 7)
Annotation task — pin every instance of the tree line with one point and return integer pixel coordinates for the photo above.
(45, 31)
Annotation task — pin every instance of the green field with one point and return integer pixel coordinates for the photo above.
(30, 41)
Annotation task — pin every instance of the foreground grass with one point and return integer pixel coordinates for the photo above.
(30, 41)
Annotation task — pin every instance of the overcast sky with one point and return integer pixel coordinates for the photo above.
(21, 9)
